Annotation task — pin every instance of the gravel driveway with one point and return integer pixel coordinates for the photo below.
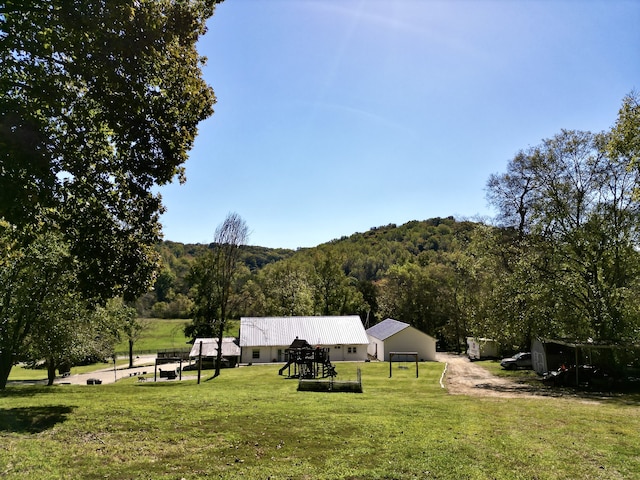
(463, 377)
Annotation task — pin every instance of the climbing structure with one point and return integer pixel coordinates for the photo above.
(307, 361)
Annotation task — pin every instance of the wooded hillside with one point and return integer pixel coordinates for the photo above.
(362, 273)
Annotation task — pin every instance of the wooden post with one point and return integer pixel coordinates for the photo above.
(199, 362)
(577, 368)
(393, 354)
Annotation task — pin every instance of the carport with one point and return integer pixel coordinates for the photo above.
(550, 354)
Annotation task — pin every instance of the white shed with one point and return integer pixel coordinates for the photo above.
(265, 339)
(208, 347)
(393, 336)
(230, 347)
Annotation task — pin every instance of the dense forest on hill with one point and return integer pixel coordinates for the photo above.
(362, 273)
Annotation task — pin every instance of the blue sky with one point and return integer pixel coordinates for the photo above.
(335, 116)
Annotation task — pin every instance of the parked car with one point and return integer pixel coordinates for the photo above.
(519, 360)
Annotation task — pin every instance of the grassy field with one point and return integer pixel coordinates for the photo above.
(160, 334)
(494, 367)
(252, 424)
(164, 333)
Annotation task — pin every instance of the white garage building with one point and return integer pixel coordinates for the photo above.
(393, 336)
(265, 339)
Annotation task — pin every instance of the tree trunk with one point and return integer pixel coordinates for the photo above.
(6, 364)
(219, 353)
(130, 353)
(51, 371)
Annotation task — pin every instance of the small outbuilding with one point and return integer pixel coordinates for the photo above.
(548, 355)
(208, 349)
(393, 336)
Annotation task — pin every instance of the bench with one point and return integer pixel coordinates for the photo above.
(168, 374)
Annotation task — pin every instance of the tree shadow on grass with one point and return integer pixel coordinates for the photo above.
(629, 396)
(616, 397)
(32, 419)
(17, 388)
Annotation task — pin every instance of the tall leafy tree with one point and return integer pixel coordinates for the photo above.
(624, 142)
(513, 193)
(126, 319)
(34, 284)
(164, 284)
(100, 103)
(409, 294)
(286, 289)
(582, 236)
(214, 278)
(42, 316)
(333, 292)
(461, 286)
(73, 333)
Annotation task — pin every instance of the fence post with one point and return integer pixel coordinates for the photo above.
(199, 362)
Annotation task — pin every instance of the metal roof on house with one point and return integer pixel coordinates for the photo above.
(387, 328)
(210, 347)
(278, 331)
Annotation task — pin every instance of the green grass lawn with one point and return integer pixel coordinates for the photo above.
(162, 334)
(494, 367)
(251, 423)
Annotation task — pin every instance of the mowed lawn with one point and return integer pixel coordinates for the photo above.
(251, 423)
(163, 333)
(160, 333)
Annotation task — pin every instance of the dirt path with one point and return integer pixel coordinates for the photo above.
(463, 377)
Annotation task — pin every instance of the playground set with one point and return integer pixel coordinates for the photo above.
(307, 362)
(311, 365)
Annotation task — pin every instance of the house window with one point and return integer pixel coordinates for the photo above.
(353, 350)
(256, 353)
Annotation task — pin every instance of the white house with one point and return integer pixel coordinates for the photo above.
(393, 336)
(265, 339)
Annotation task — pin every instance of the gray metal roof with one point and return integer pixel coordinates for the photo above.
(278, 331)
(210, 347)
(387, 328)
